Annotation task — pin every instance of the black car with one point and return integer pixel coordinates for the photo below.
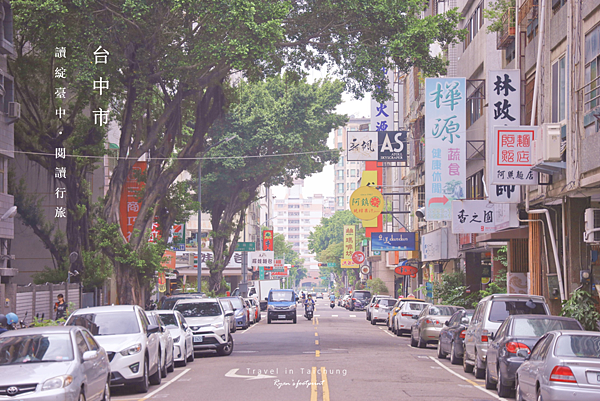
(359, 299)
(518, 332)
(452, 336)
(168, 303)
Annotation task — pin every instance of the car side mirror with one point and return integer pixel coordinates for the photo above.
(522, 353)
(152, 328)
(90, 355)
(447, 323)
(464, 320)
(229, 313)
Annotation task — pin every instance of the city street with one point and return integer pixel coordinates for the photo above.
(337, 356)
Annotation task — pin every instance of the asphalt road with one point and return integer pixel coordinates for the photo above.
(338, 355)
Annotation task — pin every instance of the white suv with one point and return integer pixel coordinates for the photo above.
(209, 323)
(130, 341)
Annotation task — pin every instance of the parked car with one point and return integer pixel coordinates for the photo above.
(257, 308)
(429, 324)
(228, 307)
(380, 311)
(404, 317)
(489, 314)
(251, 311)
(183, 351)
(166, 343)
(518, 332)
(53, 363)
(130, 341)
(452, 336)
(241, 312)
(169, 302)
(358, 300)
(563, 366)
(370, 304)
(209, 323)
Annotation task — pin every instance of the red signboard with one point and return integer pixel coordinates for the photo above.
(406, 271)
(129, 206)
(358, 257)
(267, 240)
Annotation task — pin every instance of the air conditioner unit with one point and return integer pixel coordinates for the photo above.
(549, 135)
(592, 225)
(14, 109)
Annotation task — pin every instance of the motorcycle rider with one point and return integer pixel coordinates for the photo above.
(309, 301)
(3, 324)
(12, 320)
(332, 299)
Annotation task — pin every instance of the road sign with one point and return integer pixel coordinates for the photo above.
(358, 257)
(178, 247)
(245, 247)
(261, 273)
(365, 269)
(330, 264)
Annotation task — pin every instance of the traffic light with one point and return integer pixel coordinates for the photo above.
(322, 264)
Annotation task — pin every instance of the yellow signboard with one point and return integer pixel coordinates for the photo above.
(366, 203)
(348, 264)
(369, 178)
(349, 241)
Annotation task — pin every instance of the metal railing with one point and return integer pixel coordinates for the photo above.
(506, 35)
(589, 101)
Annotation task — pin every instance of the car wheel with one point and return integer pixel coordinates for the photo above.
(163, 368)
(192, 356)
(144, 385)
(489, 384)
(81, 396)
(440, 354)
(518, 395)
(454, 359)
(106, 395)
(268, 319)
(467, 368)
(171, 367)
(156, 378)
(233, 328)
(477, 370)
(503, 390)
(185, 357)
(421, 343)
(413, 342)
(227, 348)
(295, 319)
(373, 321)
(539, 395)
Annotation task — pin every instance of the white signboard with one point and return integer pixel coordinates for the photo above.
(234, 262)
(504, 100)
(262, 258)
(512, 158)
(445, 136)
(362, 146)
(482, 216)
(439, 245)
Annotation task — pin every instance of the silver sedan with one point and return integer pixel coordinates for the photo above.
(564, 365)
(53, 363)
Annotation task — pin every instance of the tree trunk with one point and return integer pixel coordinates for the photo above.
(129, 290)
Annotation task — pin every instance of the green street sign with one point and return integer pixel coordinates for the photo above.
(365, 242)
(245, 247)
(261, 273)
(330, 264)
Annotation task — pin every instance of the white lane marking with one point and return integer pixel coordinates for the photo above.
(317, 315)
(334, 315)
(167, 384)
(387, 332)
(488, 392)
(245, 331)
(352, 315)
(248, 352)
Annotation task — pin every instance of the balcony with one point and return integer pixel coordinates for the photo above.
(506, 35)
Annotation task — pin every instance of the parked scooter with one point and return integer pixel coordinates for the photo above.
(308, 313)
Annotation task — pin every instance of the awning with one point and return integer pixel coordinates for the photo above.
(504, 235)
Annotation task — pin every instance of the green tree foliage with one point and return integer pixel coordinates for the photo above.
(451, 290)
(583, 307)
(377, 286)
(495, 13)
(170, 70)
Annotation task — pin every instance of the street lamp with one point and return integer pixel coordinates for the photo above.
(200, 206)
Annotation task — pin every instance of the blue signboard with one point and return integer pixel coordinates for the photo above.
(393, 241)
(178, 247)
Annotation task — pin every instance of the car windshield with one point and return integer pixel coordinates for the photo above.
(503, 309)
(35, 348)
(226, 305)
(415, 306)
(169, 319)
(200, 309)
(539, 327)
(236, 302)
(387, 302)
(108, 323)
(361, 295)
(286, 296)
(579, 346)
(442, 310)
(168, 303)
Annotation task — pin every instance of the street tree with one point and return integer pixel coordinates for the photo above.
(170, 70)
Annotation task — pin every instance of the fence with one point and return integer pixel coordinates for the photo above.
(38, 300)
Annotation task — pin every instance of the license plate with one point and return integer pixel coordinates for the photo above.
(198, 339)
(281, 316)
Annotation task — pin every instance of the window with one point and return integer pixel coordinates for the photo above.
(91, 341)
(2, 174)
(557, 5)
(340, 188)
(294, 221)
(294, 228)
(592, 62)
(475, 103)
(340, 131)
(294, 213)
(341, 174)
(472, 26)
(558, 91)
(340, 201)
(306, 221)
(339, 145)
(352, 186)
(7, 23)
(341, 162)
(352, 173)
(9, 93)
(280, 221)
(306, 213)
(475, 186)
(281, 213)
(293, 206)
(421, 196)
(81, 344)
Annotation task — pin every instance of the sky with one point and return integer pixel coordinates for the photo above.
(322, 183)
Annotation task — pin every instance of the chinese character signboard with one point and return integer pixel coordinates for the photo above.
(393, 241)
(262, 258)
(391, 146)
(178, 234)
(513, 159)
(267, 238)
(504, 100)
(278, 267)
(445, 139)
(234, 262)
(348, 264)
(382, 114)
(349, 241)
(245, 247)
(366, 203)
(362, 146)
(129, 206)
(482, 216)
